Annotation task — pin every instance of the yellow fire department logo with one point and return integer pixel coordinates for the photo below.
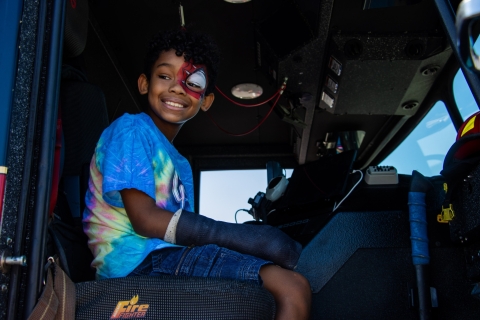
(130, 309)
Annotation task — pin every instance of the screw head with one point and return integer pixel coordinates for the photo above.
(410, 105)
(430, 70)
(4, 288)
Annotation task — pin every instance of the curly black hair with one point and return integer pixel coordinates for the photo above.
(196, 47)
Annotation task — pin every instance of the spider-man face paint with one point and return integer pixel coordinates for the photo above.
(193, 79)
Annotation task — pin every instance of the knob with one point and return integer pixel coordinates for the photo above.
(6, 261)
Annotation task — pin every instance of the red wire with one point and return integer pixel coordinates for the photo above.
(251, 130)
(248, 105)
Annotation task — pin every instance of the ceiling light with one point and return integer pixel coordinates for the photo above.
(247, 91)
(237, 1)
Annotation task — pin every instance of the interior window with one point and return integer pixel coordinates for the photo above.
(462, 93)
(222, 193)
(424, 149)
(426, 146)
(463, 96)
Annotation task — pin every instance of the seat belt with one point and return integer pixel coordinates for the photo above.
(56, 164)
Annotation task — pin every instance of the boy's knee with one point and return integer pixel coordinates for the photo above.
(300, 287)
(291, 291)
(303, 283)
(291, 281)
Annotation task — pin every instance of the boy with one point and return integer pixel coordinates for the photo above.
(138, 207)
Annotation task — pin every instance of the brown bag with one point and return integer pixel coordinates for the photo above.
(58, 297)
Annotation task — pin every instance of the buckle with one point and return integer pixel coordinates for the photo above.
(446, 215)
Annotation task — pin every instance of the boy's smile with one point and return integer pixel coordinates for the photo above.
(176, 92)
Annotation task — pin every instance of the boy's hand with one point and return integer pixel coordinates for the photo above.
(147, 219)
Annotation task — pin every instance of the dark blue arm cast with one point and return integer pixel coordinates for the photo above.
(261, 241)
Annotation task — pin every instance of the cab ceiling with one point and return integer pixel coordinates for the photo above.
(390, 58)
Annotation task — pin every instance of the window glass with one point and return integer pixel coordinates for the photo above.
(463, 96)
(425, 148)
(461, 91)
(222, 193)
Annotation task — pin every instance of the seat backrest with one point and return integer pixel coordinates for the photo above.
(84, 117)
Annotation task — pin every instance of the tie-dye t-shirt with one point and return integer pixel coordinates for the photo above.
(131, 153)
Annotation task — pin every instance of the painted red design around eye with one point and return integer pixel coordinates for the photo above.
(184, 73)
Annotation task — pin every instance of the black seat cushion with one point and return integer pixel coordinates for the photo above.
(171, 297)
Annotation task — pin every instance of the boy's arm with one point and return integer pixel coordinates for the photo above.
(147, 219)
(262, 241)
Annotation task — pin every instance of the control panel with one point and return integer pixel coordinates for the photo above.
(381, 175)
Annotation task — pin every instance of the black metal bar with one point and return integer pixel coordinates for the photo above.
(448, 96)
(45, 167)
(424, 299)
(25, 191)
(447, 15)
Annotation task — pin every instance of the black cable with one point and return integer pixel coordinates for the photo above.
(240, 210)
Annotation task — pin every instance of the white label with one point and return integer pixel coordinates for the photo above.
(331, 84)
(327, 99)
(335, 66)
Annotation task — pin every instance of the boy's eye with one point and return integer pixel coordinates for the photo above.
(162, 76)
(192, 84)
(197, 81)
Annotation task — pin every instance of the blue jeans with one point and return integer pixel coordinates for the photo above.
(204, 261)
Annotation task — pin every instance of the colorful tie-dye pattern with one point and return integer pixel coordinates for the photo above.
(131, 153)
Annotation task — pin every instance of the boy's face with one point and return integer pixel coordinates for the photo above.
(176, 91)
